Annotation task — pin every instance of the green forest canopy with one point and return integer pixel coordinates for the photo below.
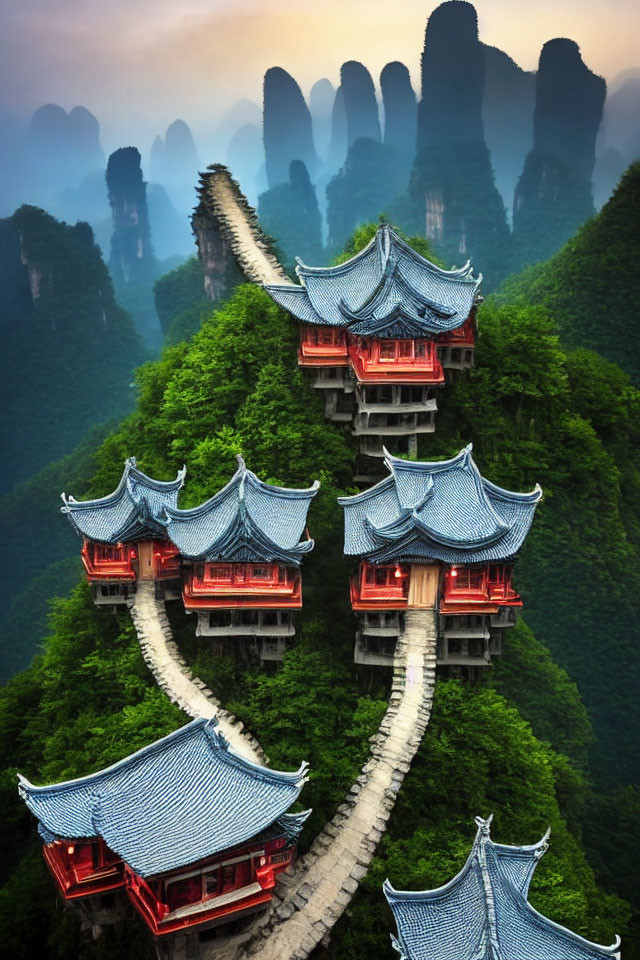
(591, 287)
(519, 750)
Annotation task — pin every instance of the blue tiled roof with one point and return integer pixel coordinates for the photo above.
(437, 511)
(247, 520)
(132, 512)
(483, 912)
(386, 290)
(177, 801)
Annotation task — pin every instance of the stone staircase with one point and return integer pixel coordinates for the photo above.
(312, 895)
(174, 677)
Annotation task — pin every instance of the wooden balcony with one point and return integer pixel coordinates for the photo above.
(397, 361)
(322, 346)
(380, 587)
(167, 562)
(478, 589)
(230, 585)
(109, 562)
(216, 891)
(120, 562)
(83, 868)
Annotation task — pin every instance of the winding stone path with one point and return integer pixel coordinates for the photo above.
(312, 895)
(172, 674)
(239, 225)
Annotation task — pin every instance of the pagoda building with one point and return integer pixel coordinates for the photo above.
(124, 534)
(235, 560)
(191, 831)
(484, 914)
(383, 327)
(436, 536)
(242, 552)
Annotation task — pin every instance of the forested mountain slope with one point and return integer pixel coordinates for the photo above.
(43, 551)
(529, 408)
(69, 350)
(591, 287)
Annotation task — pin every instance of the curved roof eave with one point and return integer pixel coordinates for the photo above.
(130, 468)
(434, 466)
(512, 496)
(156, 747)
(243, 473)
(461, 274)
(338, 268)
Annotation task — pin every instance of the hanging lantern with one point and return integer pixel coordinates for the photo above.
(398, 573)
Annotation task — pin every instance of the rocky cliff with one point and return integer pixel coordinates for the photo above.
(338, 143)
(321, 100)
(553, 197)
(507, 117)
(400, 112)
(452, 186)
(60, 149)
(174, 160)
(232, 247)
(289, 213)
(360, 105)
(287, 126)
(132, 262)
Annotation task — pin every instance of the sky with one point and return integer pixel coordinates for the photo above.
(139, 64)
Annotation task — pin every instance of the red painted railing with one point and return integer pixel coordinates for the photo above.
(229, 585)
(380, 587)
(83, 868)
(398, 361)
(166, 559)
(322, 346)
(120, 561)
(478, 589)
(109, 562)
(182, 899)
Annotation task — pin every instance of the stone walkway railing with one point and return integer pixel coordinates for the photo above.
(312, 895)
(172, 674)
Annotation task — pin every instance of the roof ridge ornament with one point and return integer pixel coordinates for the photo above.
(484, 825)
(383, 236)
(488, 897)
